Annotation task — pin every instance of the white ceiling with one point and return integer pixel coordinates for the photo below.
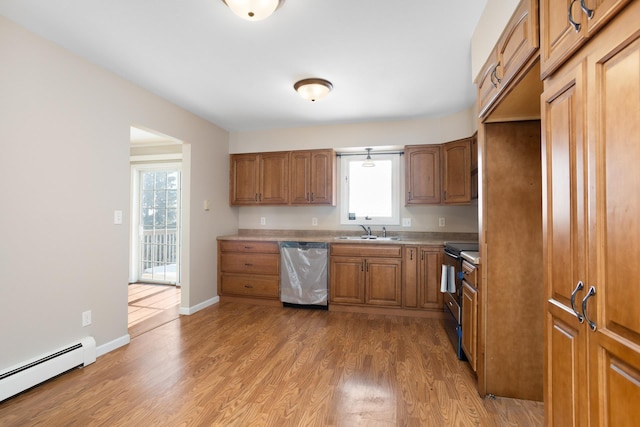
(387, 59)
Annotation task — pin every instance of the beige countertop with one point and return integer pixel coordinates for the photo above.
(471, 256)
(331, 236)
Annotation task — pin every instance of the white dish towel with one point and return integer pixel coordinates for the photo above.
(443, 279)
(451, 280)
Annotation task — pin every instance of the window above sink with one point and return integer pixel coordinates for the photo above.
(370, 195)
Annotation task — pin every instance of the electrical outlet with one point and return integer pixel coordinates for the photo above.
(406, 222)
(441, 222)
(263, 220)
(314, 221)
(86, 318)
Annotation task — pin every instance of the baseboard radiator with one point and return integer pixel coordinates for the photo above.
(33, 372)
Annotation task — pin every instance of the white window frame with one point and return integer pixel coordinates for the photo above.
(345, 159)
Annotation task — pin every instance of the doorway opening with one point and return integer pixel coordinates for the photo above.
(155, 257)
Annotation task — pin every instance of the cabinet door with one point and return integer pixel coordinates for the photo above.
(614, 141)
(322, 177)
(274, 178)
(456, 174)
(346, 280)
(518, 42)
(422, 169)
(470, 323)
(488, 83)
(565, 233)
(243, 181)
(560, 38)
(429, 278)
(410, 277)
(474, 166)
(300, 177)
(383, 281)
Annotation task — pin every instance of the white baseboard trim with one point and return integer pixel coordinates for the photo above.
(112, 345)
(190, 310)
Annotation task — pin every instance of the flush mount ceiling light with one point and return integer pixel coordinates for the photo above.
(368, 162)
(313, 89)
(253, 10)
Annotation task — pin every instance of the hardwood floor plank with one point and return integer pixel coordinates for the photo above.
(243, 365)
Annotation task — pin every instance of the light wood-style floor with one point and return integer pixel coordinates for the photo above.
(151, 305)
(243, 365)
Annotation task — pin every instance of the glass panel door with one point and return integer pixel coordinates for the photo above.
(159, 245)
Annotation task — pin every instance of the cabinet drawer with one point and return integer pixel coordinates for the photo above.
(453, 306)
(248, 285)
(250, 263)
(470, 273)
(367, 250)
(248, 246)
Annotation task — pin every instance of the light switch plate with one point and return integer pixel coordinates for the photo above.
(406, 222)
(117, 217)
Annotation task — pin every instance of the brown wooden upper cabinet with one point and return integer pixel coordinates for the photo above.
(456, 172)
(259, 179)
(474, 166)
(516, 46)
(566, 25)
(313, 177)
(438, 174)
(422, 174)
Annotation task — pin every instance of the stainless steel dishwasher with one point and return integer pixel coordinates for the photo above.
(303, 274)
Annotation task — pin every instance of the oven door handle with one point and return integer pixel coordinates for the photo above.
(446, 252)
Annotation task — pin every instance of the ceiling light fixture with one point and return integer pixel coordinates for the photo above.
(313, 89)
(253, 10)
(368, 162)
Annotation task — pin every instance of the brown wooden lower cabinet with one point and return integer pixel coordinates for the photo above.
(470, 323)
(249, 269)
(366, 275)
(429, 271)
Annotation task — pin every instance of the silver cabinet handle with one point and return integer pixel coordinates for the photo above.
(573, 301)
(592, 292)
(586, 10)
(493, 74)
(574, 24)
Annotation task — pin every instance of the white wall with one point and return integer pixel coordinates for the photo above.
(494, 19)
(378, 134)
(64, 169)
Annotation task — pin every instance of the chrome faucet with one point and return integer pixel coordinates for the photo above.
(366, 230)
(384, 231)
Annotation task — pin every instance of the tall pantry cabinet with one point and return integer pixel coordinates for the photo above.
(591, 223)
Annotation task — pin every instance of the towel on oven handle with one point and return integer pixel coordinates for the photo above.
(451, 280)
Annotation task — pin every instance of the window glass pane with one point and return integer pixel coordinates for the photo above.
(172, 218)
(148, 179)
(172, 199)
(370, 189)
(147, 218)
(161, 199)
(147, 199)
(161, 180)
(159, 219)
(172, 180)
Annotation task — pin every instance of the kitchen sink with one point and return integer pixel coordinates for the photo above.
(367, 238)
